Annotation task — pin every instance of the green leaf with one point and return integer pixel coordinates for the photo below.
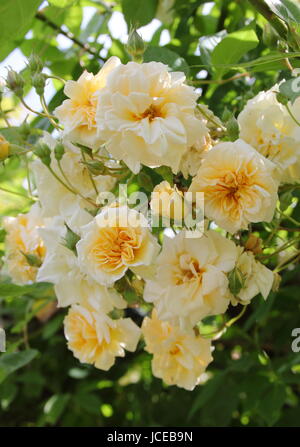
(206, 392)
(11, 134)
(218, 412)
(208, 43)
(232, 48)
(15, 19)
(71, 239)
(61, 3)
(138, 13)
(10, 362)
(272, 402)
(291, 89)
(287, 10)
(144, 180)
(53, 326)
(13, 290)
(55, 406)
(89, 402)
(94, 26)
(168, 57)
(166, 173)
(73, 19)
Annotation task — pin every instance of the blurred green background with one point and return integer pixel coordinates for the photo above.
(255, 377)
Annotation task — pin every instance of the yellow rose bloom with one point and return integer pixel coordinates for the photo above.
(239, 186)
(4, 148)
(23, 239)
(95, 338)
(191, 281)
(146, 115)
(117, 239)
(179, 357)
(77, 114)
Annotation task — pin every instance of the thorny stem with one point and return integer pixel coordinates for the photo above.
(226, 325)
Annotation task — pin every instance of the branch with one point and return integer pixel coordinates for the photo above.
(85, 46)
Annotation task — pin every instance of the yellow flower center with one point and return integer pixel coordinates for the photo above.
(116, 247)
(189, 270)
(88, 109)
(174, 350)
(151, 113)
(232, 185)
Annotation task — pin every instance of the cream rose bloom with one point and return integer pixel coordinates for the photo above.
(95, 338)
(61, 268)
(191, 281)
(23, 237)
(238, 184)
(168, 202)
(179, 357)
(77, 114)
(56, 200)
(257, 277)
(145, 115)
(267, 126)
(192, 158)
(117, 239)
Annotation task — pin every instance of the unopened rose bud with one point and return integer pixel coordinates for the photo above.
(35, 64)
(135, 46)
(254, 244)
(4, 148)
(44, 153)
(95, 167)
(236, 281)
(59, 151)
(15, 83)
(39, 82)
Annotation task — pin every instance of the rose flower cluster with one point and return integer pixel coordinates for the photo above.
(113, 127)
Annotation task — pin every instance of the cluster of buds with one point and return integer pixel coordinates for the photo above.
(35, 64)
(15, 83)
